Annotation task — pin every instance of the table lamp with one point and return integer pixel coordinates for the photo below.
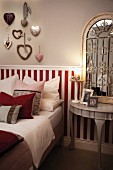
(76, 79)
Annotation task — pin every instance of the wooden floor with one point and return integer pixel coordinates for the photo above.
(61, 158)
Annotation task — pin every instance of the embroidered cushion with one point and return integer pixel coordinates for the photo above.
(21, 88)
(9, 114)
(36, 99)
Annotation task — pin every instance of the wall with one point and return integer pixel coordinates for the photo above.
(61, 23)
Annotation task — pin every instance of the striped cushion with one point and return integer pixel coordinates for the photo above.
(9, 114)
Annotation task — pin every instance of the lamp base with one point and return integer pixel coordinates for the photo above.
(76, 101)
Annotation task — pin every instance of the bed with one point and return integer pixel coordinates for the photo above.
(41, 132)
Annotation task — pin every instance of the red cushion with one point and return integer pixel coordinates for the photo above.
(24, 100)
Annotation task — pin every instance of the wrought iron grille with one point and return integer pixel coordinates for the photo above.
(99, 57)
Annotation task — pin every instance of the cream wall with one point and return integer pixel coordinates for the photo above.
(61, 23)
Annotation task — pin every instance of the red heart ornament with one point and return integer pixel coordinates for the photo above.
(9, 18)
(39, 57)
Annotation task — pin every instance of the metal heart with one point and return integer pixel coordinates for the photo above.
(39, 57)
(28, 47)
(24, 22)
(9, 18)
(17, 34)
(7, 43)
(35, 30)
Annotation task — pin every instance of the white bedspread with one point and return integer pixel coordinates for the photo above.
(37, 132)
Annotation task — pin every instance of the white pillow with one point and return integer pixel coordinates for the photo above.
(7, 84)
(52, 85)
(50, 88)
(46, 95)
(50, 104)
(28, 80)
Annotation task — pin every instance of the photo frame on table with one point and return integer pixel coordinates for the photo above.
(93, 101)
(86, 94)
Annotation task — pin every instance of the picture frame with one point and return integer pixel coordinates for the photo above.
(86, 94)
(93, 101)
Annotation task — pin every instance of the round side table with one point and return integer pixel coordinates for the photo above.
(100, 114)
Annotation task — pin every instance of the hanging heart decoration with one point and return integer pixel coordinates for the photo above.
(17, 34)
(39, 56)
(35, 30)
(24, 22)
(9, 18)
(21, 48)
(7, 43)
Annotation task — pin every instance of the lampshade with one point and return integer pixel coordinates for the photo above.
(77, 72)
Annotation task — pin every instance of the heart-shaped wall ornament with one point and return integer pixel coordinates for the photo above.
(7, 43)
(35, 30)
(9, 18)
(24, 22)
(17, 34)
(39, 57)
(21, 51)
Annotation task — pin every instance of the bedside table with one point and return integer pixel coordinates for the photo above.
(100, 114)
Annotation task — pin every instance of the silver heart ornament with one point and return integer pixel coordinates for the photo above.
(35, 30)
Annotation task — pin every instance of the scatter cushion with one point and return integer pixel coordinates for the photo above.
(37, 86)
(7, 84)
(24, 100)
(36, 99)
(9, 114)
(51, 87)
(50, 104)
(22, 88)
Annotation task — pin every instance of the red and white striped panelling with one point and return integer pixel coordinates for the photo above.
(84, 128)
(39, 73)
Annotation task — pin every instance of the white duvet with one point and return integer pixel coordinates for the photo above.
(37, 133)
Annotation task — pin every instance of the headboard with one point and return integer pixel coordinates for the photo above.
(39, 73)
